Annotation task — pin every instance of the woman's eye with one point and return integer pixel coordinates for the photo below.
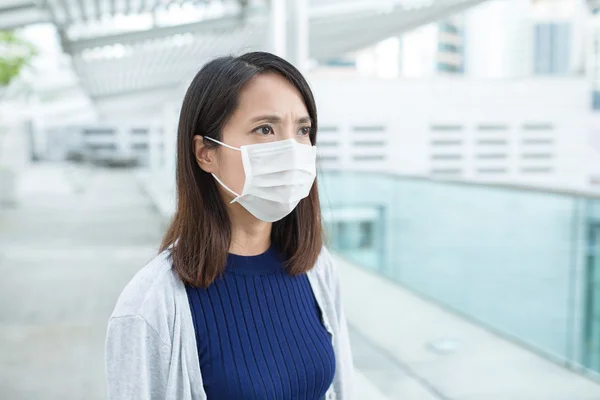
(305, 131)
(264, 130)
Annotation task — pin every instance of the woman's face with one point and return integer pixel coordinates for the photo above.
(269, 109)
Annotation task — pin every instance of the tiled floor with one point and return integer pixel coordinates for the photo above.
(66, 252)
(394, 338)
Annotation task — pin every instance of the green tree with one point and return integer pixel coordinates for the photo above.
(15, 53)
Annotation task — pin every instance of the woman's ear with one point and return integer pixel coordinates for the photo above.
(205, 157)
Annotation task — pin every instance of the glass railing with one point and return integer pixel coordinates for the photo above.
(523, 263)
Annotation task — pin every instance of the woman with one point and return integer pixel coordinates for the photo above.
(243, 301)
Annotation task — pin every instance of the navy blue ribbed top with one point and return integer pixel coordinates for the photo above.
(259, 333)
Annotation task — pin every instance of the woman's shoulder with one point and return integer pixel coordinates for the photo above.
(151, 292)
(324, 268)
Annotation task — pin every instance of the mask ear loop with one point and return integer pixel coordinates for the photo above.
(221, 143)
(237, 196)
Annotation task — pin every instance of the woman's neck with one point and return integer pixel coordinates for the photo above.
(249, 235)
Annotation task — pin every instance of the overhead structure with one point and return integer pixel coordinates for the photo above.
(18, 13)
(131, 46)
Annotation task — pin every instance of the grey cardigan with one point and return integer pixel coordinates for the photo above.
(151, 348)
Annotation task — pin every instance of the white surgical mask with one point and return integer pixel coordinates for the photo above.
(278, 175)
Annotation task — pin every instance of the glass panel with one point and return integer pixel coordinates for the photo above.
(592, 340)
(501, 256)
(355, 231)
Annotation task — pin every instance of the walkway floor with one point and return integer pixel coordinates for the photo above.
(66, 251)
(394, 332)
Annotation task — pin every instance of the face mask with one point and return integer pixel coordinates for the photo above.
(278, 175)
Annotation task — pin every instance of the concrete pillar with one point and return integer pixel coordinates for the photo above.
(278, 27)
(38, 132)
(14, 157)
(154, 152)
(169, 139)
(123, 140)
(400, 58)
(298, 30)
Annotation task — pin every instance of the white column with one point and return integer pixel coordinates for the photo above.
(123, 140)
(169, 139)
(400, 58)
(278, 28)
(154, 153)
(298, 17)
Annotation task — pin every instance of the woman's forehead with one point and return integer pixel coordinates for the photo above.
(271, 94)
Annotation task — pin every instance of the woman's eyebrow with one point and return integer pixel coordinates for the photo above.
(269, 118)
(276, 119)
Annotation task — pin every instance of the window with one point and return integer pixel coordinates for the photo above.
(491, 156)
(491, 170)
(98, 131)
(341, 230)
(443, 142)
(101, 146)
(369, 143)
(367, 128)
(492, 127)
(448, 47)
(448, 28)
(446, 128)
(328, 129)
(369, 157)
(366, 234)
(492, 142)
(139, 146)
(538, 141)
(351, 235)
(444, 67)
(327, 144)
(446, 171)
(537, 156)
(552, 48)
(537, 126)
(340, 62)
(446, 157)
(328, 158)
(536, 170)
(596, 100)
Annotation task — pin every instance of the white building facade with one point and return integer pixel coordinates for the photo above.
(533, 132)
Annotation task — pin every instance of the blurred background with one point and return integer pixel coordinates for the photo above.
(459, 155)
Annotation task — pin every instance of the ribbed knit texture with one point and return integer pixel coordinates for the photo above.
(259, 333)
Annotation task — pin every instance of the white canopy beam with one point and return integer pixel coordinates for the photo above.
(221, 24)
(14, 14)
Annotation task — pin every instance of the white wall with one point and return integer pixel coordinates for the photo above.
(419, 51)
(536, 130)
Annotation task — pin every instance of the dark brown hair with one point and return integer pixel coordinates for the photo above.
(200, 232)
